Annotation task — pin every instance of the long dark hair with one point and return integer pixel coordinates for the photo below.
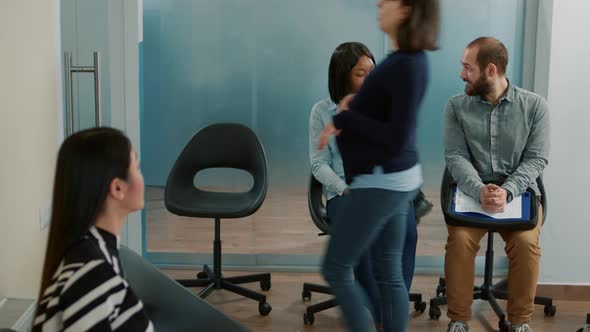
(87, 163)
(420, 30)
(344, 58)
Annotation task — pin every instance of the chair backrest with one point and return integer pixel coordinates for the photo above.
(447, 180)
(222, 145)
(541, 186)
(317, 208)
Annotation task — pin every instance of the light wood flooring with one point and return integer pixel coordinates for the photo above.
(288, 309)
(281, 226)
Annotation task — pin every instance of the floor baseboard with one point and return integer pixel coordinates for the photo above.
(565, 292)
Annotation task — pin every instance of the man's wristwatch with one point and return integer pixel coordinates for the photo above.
(508, 197)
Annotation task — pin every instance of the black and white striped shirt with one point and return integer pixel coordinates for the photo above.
(89, 293)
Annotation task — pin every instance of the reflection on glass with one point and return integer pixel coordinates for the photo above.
(264, 64)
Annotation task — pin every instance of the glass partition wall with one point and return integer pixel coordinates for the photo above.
(264, 64)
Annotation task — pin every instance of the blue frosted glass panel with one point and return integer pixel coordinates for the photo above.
(265, 63)
(259, 63)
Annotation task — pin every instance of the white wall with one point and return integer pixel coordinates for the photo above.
(29, 127)
(566, 235)
(543, 46)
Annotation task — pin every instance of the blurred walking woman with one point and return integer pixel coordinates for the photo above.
(97, 184)
(376, 132)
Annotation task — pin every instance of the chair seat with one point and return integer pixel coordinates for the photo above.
(207, 204)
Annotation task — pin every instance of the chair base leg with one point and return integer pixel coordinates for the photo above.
(211, 281)
(207, 290)
(243, 291)
(491, 294)
(325, 305)
(260, 277)
(311, 310)
(315, 288)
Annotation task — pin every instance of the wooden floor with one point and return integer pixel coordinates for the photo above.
(288, 309)
(281, 226)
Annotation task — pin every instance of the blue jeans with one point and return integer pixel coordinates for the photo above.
(375, 220)
(409, 254)
(363, 272)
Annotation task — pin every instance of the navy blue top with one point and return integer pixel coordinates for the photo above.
(380, 127)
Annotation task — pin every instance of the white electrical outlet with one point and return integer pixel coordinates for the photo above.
(45, 214)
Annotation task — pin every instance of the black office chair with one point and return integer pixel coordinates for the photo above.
(317, 210)
(224, 145)
(487, 291)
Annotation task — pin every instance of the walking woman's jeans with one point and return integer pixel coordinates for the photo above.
(363, 272)
(375, 220)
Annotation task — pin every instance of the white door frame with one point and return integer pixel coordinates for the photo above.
(128, 119)
(123, 16)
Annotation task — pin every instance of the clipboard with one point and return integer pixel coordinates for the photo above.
(528, 220)
(525, 210)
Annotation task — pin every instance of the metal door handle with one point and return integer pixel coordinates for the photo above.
(70, 69)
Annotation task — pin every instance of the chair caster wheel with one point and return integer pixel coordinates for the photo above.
(308, 319)
(264, 308)
(202, 275)
(420, 306)
(265, 284)
(306, 295)
(434, 312)
(550, 310)
(503, 326)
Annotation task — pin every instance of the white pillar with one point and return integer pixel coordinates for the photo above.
(30, 131)
(565, 238)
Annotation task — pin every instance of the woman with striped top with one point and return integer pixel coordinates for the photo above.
(97, 184)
